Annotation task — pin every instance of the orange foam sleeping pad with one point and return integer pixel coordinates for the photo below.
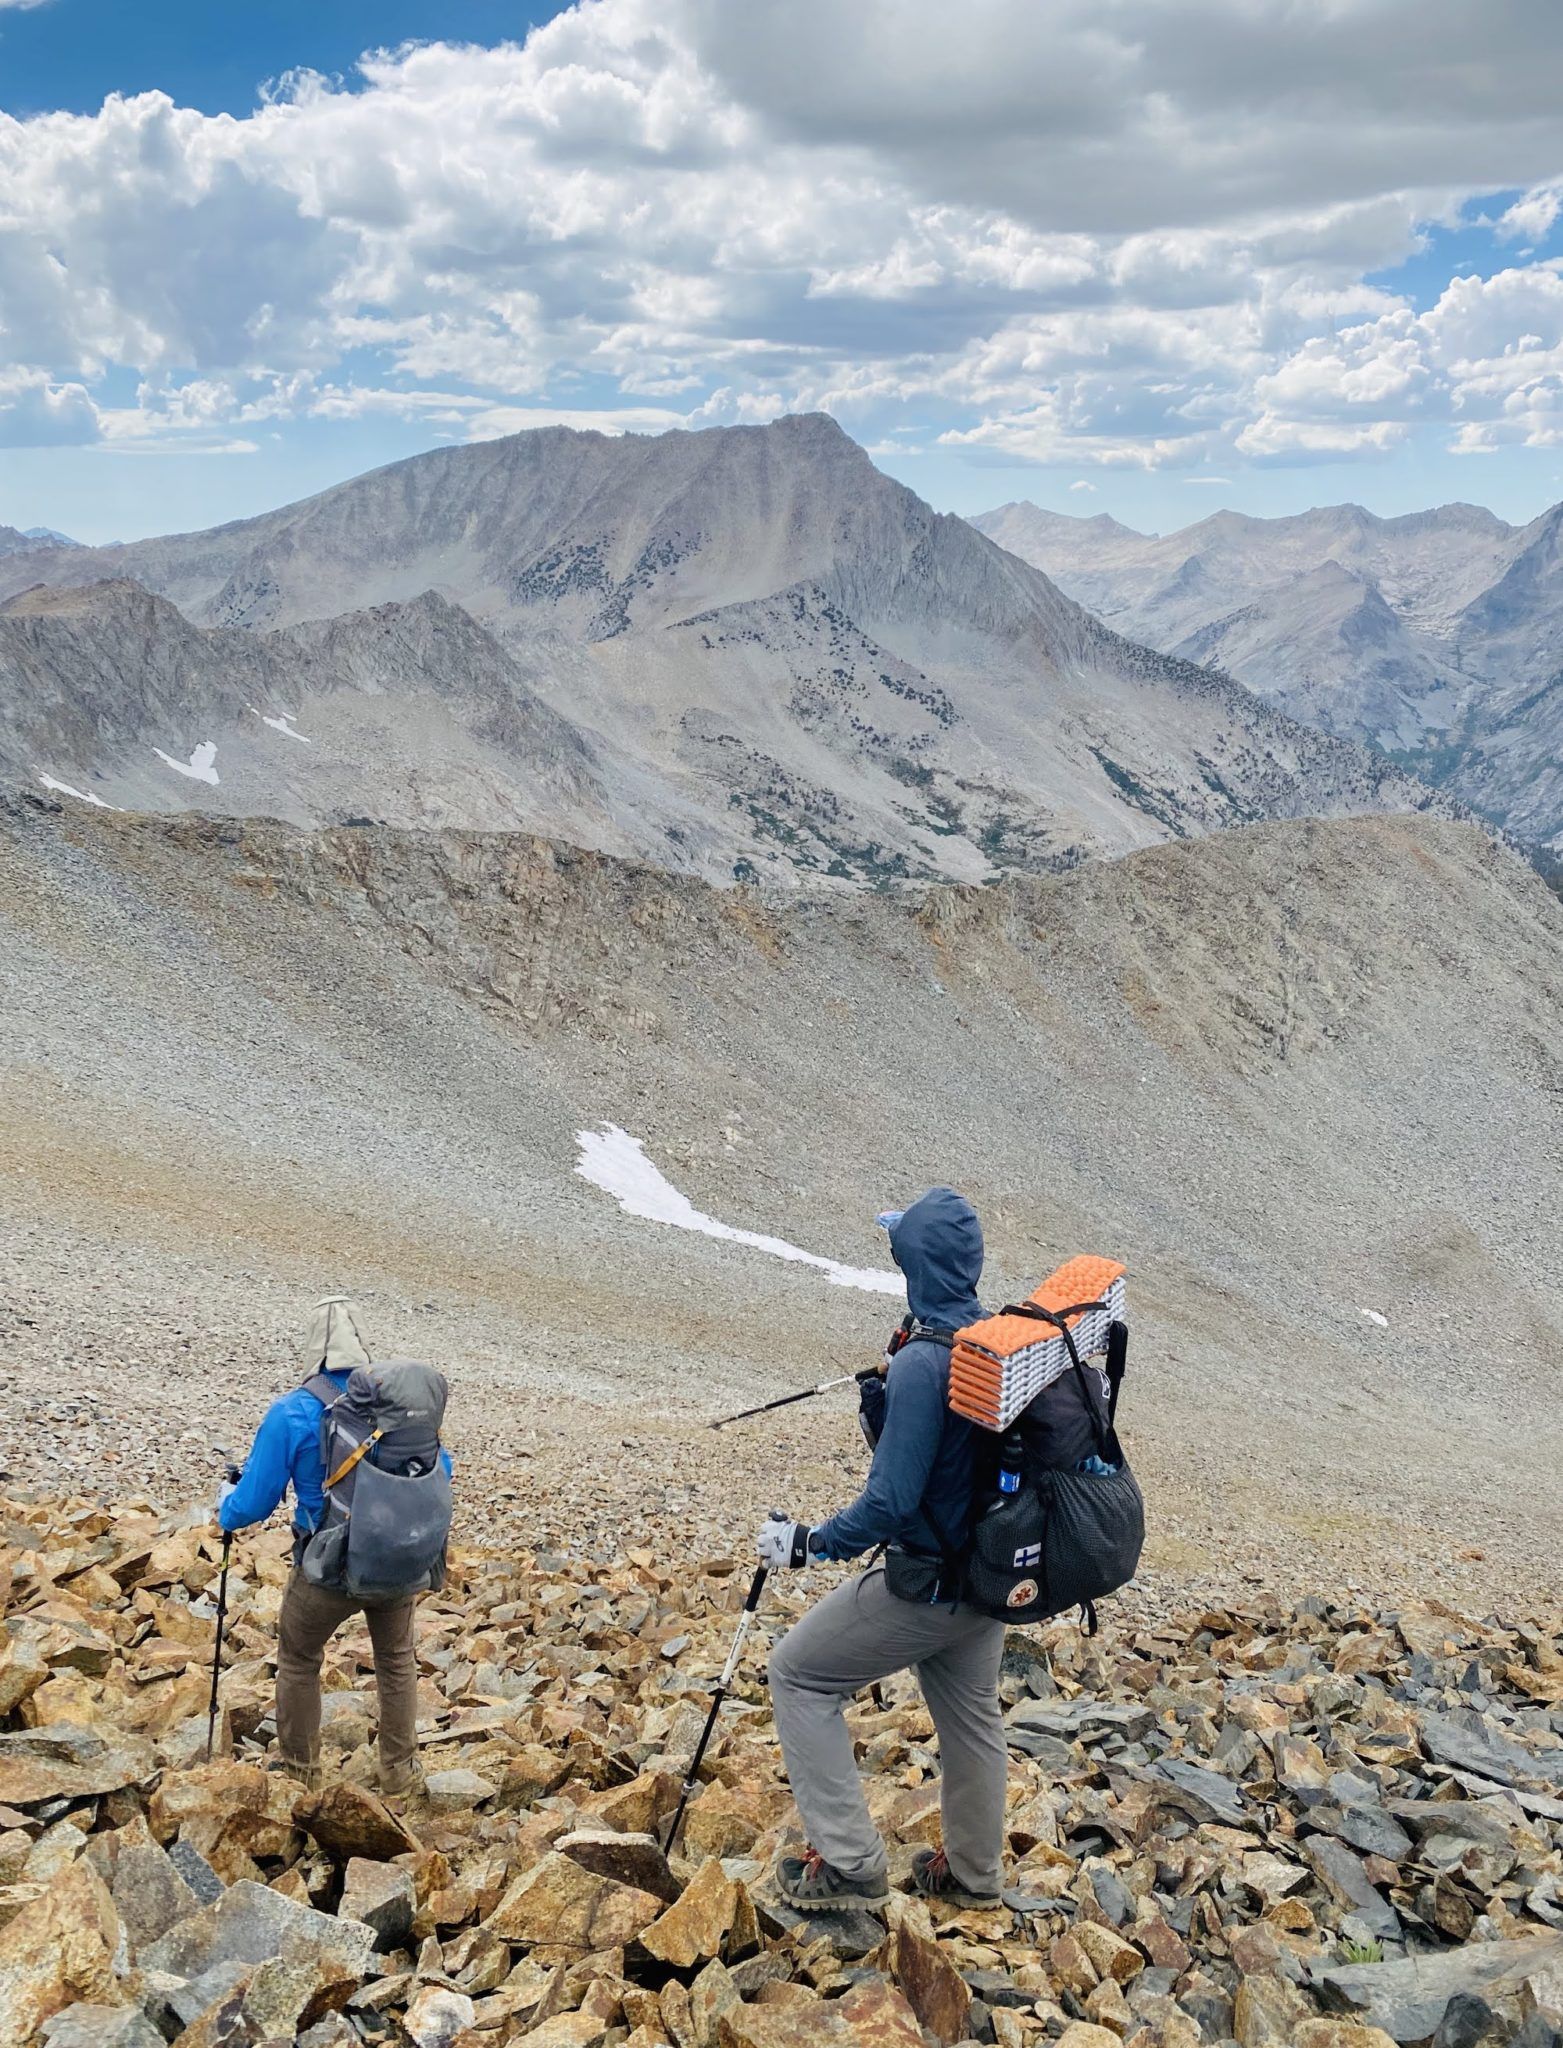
(981, 1384)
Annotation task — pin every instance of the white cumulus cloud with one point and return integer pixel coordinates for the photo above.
(1073, 234)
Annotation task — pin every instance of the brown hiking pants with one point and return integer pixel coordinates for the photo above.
(310, 1617)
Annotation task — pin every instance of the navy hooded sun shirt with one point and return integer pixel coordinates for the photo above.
(923, 1475)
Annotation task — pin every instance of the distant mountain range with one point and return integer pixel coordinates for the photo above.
(743, 651)
(32, 540)
(1437, 637)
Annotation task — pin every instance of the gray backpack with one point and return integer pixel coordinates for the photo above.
(383, 1532)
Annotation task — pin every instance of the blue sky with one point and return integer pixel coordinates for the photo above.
(217, 57)
(1234, 253)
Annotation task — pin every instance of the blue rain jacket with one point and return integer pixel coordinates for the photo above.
(286, 1452)
(923, 1475)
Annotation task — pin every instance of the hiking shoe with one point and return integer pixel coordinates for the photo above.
(933, 1877)
(812, 1885)
(307, 1775)
(406, 1782)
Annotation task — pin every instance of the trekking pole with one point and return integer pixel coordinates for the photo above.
(786, 1400)
(231, 1474)
(756, 1587)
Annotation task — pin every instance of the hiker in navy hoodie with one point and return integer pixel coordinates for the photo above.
(906, 1614)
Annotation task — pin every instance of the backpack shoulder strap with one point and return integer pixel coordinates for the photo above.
(1117, 1365)
(323, 1387)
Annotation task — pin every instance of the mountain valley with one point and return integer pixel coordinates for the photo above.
(1437, 636)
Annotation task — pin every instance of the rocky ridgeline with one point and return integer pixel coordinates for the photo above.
(1318, 1825)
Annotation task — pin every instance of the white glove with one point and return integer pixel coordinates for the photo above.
(224, 1488)
(782, 1544)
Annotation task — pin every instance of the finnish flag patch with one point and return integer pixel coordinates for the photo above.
(1029, 1556)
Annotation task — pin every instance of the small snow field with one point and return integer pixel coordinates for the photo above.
(284, 725)
(615, 1162)
(82, 796)
(201, 766)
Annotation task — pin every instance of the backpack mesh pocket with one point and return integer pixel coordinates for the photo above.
(397, 1532)
(1063, 1539)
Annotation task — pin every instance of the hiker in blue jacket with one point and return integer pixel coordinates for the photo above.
(917, 1503)
(286, 1453)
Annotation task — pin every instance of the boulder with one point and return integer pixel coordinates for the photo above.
(1343, 1876)
(852, 1932)
(13, 1897)
(576, 2030)
(1468, 2021)
(1470, 1742)
(381, 1895)
(1408, 1999)
(458, 1791)
(532, 1774)
(635, 1860)
(1267, 2012)
(638, 1806)
(39, 1764)
(100, 2026)
(694, 1928)
(712, 1994)
(149, 1893)
(728, 1820)
(933, 1987)
(58, 1952)
(297, 1987)
(1110, 1955)
(348, 1821)
(174, 2003)
(22, 1671)
(558, 1901)
(783, 2026)
(206, 1886)
(56, 1849)
(249, 1924)
(871, 2015)
(1204, 1795)
(1339, 2034)
(437, 2016)
(877, 2016)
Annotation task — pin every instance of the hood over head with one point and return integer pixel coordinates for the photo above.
(336, 1341)
(937, 1243)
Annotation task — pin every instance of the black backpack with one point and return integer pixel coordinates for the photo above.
(385, 1526)
(1058, 1520)
(1062, 1522)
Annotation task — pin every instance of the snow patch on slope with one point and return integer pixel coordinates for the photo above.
(615, 1162)
(83, 796)
(284, 724)
(199, 767)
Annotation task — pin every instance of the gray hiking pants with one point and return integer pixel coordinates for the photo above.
(860, 1633)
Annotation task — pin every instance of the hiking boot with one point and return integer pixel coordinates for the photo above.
(933, 1877)
(812, 1885)
(307, 1775)
(405, 1782)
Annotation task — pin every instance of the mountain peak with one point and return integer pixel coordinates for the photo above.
(65, 600)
